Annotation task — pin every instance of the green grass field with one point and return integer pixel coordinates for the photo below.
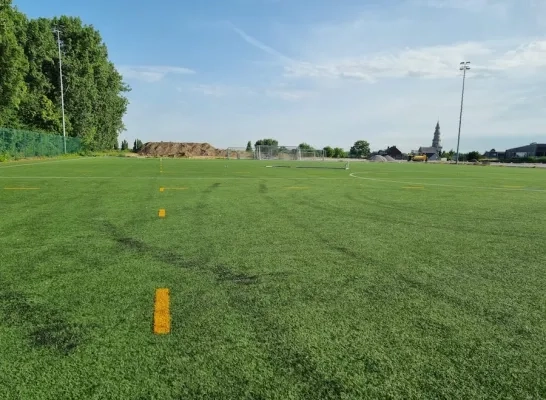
(384, 281)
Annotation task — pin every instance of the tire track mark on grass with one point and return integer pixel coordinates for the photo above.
(283, 354)
(43, 325)
(405, 221)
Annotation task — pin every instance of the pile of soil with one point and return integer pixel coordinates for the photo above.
(174, 149)
(378, 158)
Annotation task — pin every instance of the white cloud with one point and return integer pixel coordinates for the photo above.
(529, 55)
(153, 73)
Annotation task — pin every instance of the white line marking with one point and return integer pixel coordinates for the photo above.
(250, 178)
(444, 185)
(43, 162)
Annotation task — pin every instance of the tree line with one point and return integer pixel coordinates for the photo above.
(30, 84)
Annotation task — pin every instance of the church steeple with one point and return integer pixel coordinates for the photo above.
(436, 142)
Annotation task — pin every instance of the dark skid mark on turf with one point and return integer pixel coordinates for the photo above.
(224, 274)
(45, 326)
(501, 318)
(284, 355)
(263, 188)
(362, 257)
(162, 255)
(212, 187)
(435, 224)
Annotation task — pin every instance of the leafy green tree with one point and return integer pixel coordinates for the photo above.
(124, 145)
(249, 146)
(30, 95)
(137, 145)
(305, 146)
(13, 63)
(361, 149)
(339, 153)
(328, 151)
(473, 155)
(266, 142)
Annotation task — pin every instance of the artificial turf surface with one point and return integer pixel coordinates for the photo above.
(401, 281)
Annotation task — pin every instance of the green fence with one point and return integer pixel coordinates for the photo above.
(17, 143)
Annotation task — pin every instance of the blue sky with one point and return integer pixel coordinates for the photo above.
(325, 72)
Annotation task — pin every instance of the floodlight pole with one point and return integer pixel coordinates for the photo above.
(58, 32)
(463, 67)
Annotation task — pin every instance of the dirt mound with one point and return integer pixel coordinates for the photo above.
(378, 158)
(389, 158)
(174, 149)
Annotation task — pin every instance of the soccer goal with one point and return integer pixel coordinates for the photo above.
(293, 153)
(290, 157)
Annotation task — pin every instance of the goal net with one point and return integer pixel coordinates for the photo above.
(293, 153)
(291, 157)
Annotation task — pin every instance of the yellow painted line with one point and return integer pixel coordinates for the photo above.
(413, 187)
(297, 187)
(513, 187)
(175, 188)
(161, 189)
(162, 213)
(242, 172)
(162, 315)
(21, 188)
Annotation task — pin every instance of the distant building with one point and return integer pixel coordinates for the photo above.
(433, 152)
(394, 153)
(531, 150)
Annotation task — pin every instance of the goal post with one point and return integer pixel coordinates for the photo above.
(295, 157)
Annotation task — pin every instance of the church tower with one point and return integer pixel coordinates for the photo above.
(436, 142)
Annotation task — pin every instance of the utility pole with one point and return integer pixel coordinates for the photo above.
(58, 32)
(463, 67)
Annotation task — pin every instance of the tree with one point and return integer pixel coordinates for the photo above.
(473, 155)
(339, 153)
(30, 95)
(305, 146)
(13, 64)
(124, 145)
(249, 146)
(328, 152)
(137, 145)
(361, 149)
(266, 142)
(116, 145)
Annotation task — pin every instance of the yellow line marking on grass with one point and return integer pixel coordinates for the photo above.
(162, 316)
(21, 188)
(175, 188)
(513, 187)
(162, 213)
(413, 187)
(297, 187)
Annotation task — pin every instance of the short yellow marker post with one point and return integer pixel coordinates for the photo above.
(162, 213)
(162, 316)
(161, 189)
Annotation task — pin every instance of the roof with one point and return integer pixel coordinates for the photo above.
(428, 150)
(527, 148)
